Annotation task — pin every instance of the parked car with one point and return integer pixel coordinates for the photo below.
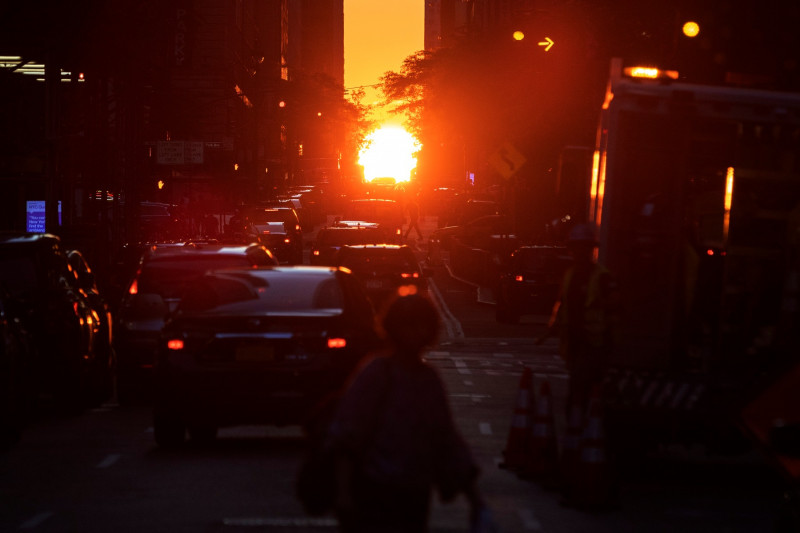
(16, 372)
(276, 227)
(258, 347)
(530, 282)
(330, 239)
(382, 268)
(387, 213)
(53, 308)
(163, 274)
(103, 372)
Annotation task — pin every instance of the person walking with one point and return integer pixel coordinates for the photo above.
(412, 208)
(393, 436)
(584, 317)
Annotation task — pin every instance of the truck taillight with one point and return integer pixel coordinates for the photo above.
(337, 342)
(175, 344)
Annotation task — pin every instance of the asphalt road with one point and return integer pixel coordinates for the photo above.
(101, 471)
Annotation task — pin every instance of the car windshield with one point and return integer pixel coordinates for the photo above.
(255, 293)
(169, 276)
(378, 260)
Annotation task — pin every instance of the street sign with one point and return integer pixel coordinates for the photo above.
(507, 160)
(547, 43)
(179, 152)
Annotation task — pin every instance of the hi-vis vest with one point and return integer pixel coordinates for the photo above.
(596, 319)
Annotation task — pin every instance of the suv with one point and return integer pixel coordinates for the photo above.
(68, 369)
(330, 239)
(382, 268)
(530, 282)
(276, 227)
(163, 274)
(387, 213)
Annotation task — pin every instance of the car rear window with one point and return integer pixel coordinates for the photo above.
(252, 293)
(350, 236)
(378, 260)
(169, 276)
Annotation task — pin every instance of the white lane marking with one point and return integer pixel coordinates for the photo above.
(258, 521)
(461, 366)
(529, 520)
(451, 323)
(108, 461)
(36, 521)
(485, 428)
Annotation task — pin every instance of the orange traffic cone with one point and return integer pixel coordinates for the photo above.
(515, 453)
(542, 457)
(571, 448)
(593, 487)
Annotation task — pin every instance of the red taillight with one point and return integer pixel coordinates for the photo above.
(518, 278)
(399, 231)
(134, 288)
(287, 240)
(315, 252)
(409, 275)
(337, 342)
(175, 344)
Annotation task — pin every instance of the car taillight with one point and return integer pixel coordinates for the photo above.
(134, 288)
(337, 342)
(315, 252)
(518, 278)
(409, 275)
(398, 231)
(287, 240)
(175, 344)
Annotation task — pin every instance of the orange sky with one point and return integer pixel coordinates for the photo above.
(378, 36)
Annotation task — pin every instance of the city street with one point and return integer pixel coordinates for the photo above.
(101, 471)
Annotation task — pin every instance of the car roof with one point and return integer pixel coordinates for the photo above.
(20, 237)
(156, 252)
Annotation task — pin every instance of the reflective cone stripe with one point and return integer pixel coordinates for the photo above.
(514, 454)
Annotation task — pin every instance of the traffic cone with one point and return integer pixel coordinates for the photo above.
(542, 458)
(515, 453)
(592, 488)
(571, 448)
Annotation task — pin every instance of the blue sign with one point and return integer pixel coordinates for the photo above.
(36, 215)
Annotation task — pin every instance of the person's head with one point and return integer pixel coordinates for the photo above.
(581, 243)
(410, 321)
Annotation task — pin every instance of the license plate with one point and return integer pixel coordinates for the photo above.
(254, 352)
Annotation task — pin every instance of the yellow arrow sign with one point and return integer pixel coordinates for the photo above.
(547, 43)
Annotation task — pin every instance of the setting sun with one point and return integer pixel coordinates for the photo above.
(389, 152)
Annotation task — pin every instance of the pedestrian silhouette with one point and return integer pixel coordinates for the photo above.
(412, 208)
(393, 434)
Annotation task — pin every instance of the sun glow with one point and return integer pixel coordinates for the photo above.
(389, 152)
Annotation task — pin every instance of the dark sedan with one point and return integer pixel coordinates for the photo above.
(163, 274)
(382, 268)
(258, 346)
